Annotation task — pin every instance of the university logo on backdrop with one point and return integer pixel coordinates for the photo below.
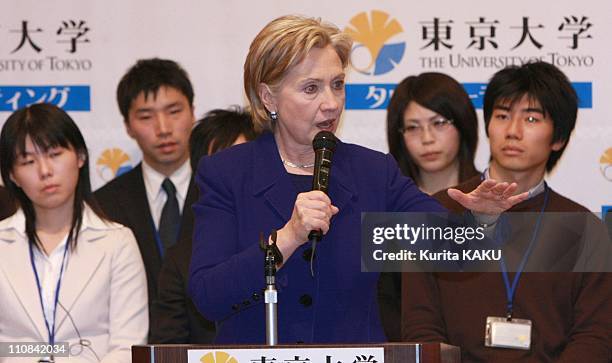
(374, 53)
(377, 50)
(45, 47)
(484, 43)
(112, 163)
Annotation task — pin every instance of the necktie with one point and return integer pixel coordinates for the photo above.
(170, 216)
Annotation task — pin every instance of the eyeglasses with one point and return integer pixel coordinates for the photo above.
(438, 125)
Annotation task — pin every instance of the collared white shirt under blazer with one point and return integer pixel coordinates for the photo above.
(103, 289)
(156, 196)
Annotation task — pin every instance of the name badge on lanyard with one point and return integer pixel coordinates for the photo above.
(503, 333)
(509, 332)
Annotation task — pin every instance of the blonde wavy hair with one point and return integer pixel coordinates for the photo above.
(280, 45)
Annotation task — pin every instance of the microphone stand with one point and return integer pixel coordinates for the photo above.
(270, 293)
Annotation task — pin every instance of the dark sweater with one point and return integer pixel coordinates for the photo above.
(571, 312)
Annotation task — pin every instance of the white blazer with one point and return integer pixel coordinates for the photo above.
(104, 288)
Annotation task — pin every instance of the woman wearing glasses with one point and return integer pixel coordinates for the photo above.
(66, 273)
(432, 130)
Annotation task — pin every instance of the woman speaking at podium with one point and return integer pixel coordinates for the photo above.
(66, 273)
(294, 80)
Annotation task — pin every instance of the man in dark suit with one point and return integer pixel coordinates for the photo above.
(177, 319)
(155, 98)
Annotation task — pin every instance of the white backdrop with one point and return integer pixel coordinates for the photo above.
(39, 62)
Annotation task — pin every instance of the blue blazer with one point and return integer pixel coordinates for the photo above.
(245, 191)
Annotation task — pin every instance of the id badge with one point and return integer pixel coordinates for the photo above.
(504, 333)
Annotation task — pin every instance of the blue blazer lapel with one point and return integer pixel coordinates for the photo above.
(272, 181)
(341, 184)
(270, 177)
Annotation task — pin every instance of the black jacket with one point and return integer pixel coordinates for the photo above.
(124, 200)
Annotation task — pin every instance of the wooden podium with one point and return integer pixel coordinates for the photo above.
(393, 352)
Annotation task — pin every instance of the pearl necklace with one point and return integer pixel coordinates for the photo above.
(297, 166)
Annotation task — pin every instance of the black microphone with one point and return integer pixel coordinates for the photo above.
(324, 145)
